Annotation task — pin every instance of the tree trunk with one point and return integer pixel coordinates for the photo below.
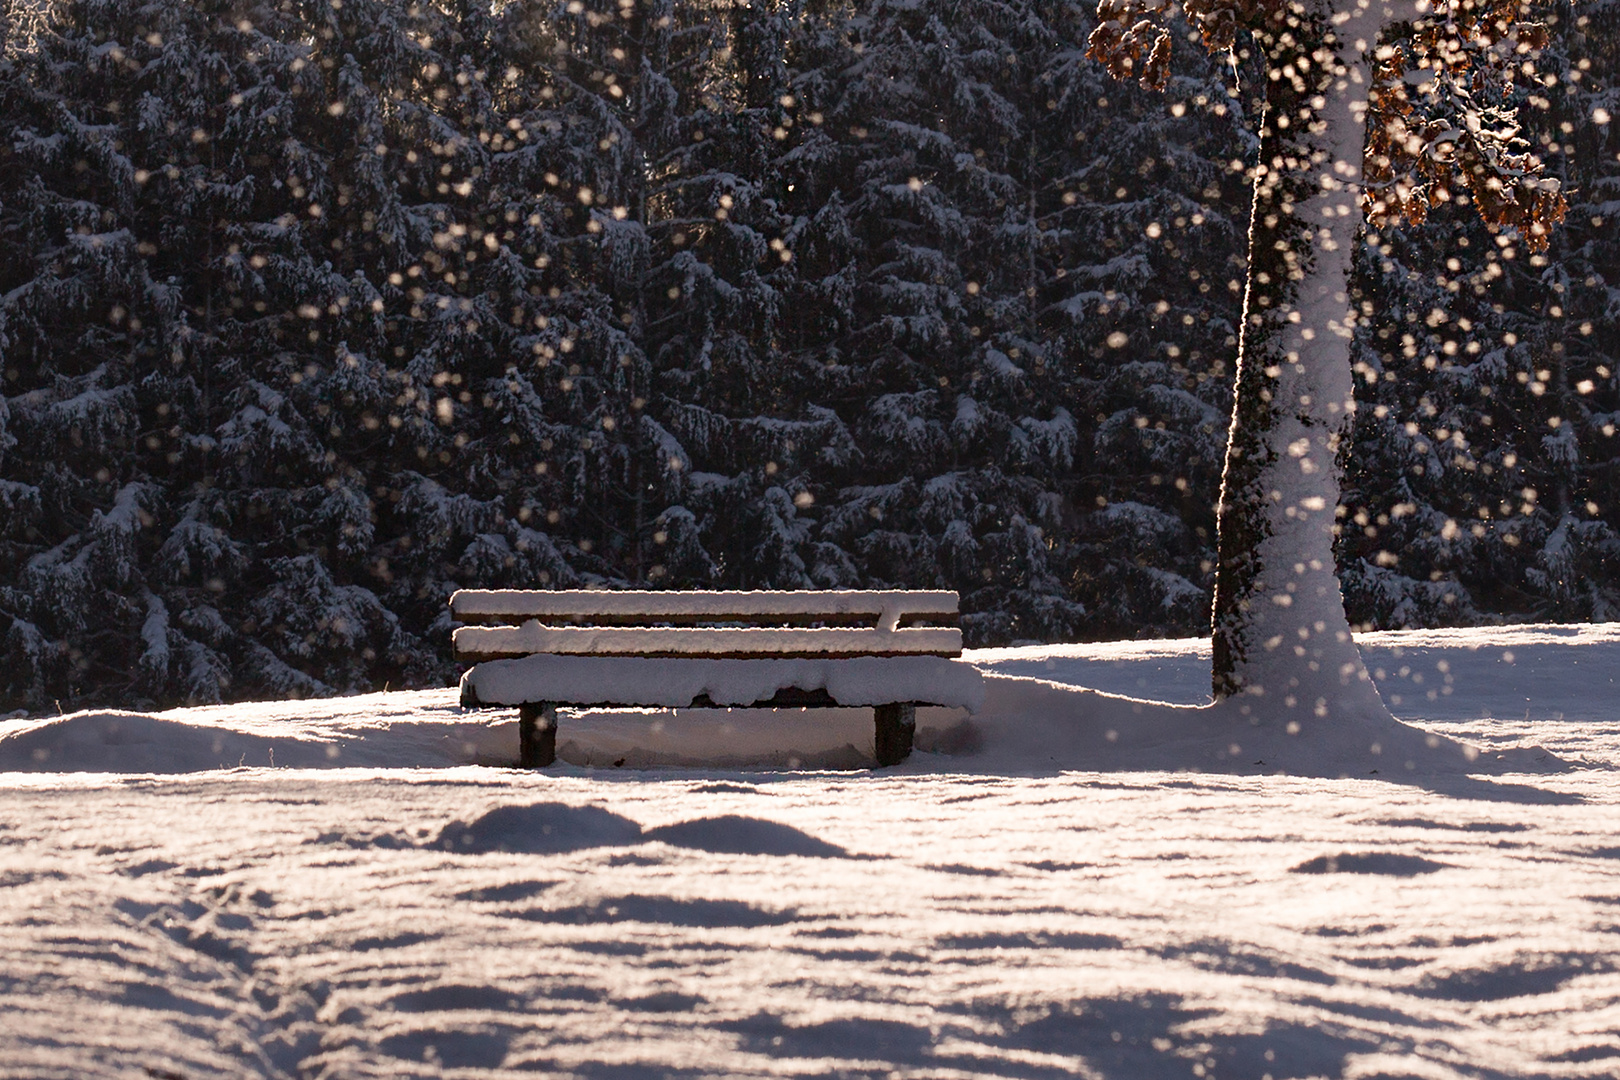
(1281, 638)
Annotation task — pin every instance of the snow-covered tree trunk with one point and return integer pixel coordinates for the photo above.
(1281, 637)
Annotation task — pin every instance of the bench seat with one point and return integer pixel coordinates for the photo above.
(688, 682)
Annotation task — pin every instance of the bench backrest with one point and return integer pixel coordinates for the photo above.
(672, 623)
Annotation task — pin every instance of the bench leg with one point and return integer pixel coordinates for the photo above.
(896, 724)
(537, 735)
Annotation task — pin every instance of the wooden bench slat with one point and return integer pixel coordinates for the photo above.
(636, 619)
(513, 605)
(631, 682)
(491, 642)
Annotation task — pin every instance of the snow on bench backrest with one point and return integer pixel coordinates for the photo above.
(605, 607)
(886, 638)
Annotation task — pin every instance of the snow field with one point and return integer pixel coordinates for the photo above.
(355, 923)
(1007, 909)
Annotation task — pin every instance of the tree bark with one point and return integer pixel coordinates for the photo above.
(1281, 638)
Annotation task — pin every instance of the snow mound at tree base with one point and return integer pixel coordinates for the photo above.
(1032, 723)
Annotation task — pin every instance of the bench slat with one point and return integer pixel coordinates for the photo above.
(491, 642)
(516, 605)
(701, 682)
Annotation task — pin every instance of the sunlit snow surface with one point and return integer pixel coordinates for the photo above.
(1020, 901)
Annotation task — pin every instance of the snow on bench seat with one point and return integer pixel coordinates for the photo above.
(681, 682)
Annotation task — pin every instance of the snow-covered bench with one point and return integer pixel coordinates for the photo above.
(593, 648)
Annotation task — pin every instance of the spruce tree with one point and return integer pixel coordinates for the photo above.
(189, 297)
(919, 240)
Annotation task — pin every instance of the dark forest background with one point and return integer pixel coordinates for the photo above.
(312, 312)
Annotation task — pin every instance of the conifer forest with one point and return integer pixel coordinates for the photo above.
(314, 311)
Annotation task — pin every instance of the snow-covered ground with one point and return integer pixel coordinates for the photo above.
(1070, 884)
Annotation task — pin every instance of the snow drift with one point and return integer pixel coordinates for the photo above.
(1130, 705)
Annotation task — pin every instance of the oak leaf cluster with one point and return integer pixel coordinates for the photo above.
(1442, 119)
